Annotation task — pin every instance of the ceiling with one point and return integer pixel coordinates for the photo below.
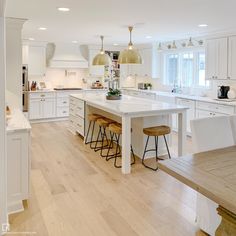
(164, 20)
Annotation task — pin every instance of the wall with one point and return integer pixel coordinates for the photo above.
(3, 168)
(14, 59)
(63, 78)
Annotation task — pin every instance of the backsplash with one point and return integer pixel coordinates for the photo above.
(62, 78)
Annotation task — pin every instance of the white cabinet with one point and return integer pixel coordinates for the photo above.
(190, 112)
(37, 60)
(206, 109)
(77, 121)
(95, 70)
(42, 106)
(232, 58)
(18, 168)
(217, 58)
(146, 66)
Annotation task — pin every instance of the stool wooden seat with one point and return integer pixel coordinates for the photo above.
(157, 130)
(94, 117)
(104, 122)
(115, 132)
(115, 128)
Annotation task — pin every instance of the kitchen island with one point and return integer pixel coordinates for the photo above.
(128, 108)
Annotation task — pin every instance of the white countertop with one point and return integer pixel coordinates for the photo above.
(17, 121)
(74, 90)
(129, 105)
(190, 97)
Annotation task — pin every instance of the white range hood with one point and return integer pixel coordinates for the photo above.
(68, 55)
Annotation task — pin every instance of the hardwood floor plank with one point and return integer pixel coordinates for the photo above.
(75, 192)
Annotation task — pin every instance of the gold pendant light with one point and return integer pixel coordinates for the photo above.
(130, 55)
(102, 59)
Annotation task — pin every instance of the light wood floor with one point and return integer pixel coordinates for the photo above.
(74, 192)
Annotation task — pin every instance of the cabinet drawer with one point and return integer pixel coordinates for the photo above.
(215, 107)
(186, 102)
(79, 108)
(79, 124)
(72, 101)
(62, 102)
(42, 95)
(62, 111)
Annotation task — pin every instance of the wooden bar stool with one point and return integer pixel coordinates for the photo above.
(103, 124)
(155, 132)
(115, 132)
(92, 120)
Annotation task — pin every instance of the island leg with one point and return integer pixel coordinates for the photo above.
(182, 124)
(227, 226)
(126, 142)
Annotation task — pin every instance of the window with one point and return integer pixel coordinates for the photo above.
(185, 69)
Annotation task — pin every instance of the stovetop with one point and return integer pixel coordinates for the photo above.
(67, 89)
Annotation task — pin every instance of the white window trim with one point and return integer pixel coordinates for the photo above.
(180, 52)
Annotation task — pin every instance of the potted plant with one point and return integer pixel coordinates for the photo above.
(113, 94)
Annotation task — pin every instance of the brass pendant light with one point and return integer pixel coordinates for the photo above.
(102, 59)
(130, 55)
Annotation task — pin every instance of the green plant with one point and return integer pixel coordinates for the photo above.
(114, 92)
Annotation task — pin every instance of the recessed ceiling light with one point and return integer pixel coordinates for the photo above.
(64, 9)
(74, 41)
(115, 44)
(31, 39)
(202, 25)
(42, 28)
(148, 37)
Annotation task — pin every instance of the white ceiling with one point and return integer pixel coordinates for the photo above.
(162, 19)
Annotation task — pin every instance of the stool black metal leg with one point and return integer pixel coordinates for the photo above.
(156, 145)
(103, 136)
(86, 139)
(132, 152)
(117, 152)
(109, 148)
(145, 151)
(167, 147)
(91, 139)
(99, 132)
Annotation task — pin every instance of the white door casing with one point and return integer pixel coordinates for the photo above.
(3, 167)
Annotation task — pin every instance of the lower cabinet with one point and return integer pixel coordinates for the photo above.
(42, 108)
(18, 168)
(190, 112)
(77, 110)
(42, 105)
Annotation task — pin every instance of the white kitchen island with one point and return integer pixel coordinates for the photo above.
(129, 108)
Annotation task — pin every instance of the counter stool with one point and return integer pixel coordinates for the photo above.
(115, 131)
(92, 120)
(103, 124)
(155, 132)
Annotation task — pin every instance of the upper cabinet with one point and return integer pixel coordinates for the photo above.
(217, 58)
(96, 71)
(37, 60)
(221, 58)
(232, 58)
(149, 66)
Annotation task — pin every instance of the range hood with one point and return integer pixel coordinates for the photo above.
(67, 55)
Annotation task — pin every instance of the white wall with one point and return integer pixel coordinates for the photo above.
(3, 190)
(14, 59)
(58, 77)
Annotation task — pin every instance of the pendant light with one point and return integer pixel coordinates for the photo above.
(102, 59)
(130, 55)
